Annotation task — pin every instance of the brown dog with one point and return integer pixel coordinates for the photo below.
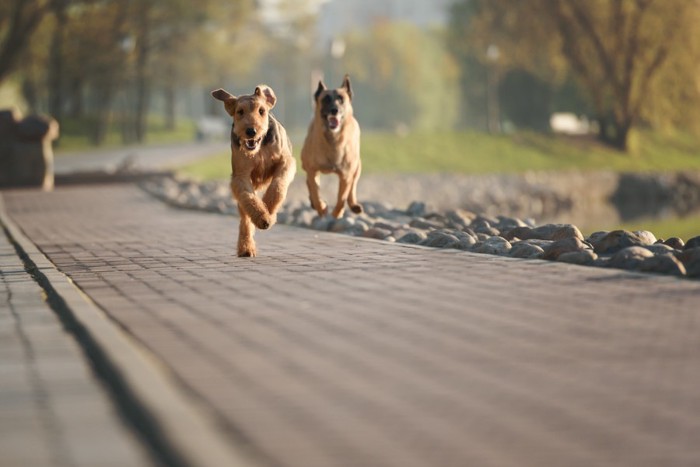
(261, 157)
(332, 145)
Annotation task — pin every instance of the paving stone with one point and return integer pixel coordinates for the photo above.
(328, 350)
(41, 370)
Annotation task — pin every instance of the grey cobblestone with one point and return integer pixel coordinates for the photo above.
(329, 350)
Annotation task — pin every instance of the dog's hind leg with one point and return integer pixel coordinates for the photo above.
(352, 199)
(313, 183)
(246, 230)
(249, 202)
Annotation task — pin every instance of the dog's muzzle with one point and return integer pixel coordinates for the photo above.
(251, 144)
(333, 123)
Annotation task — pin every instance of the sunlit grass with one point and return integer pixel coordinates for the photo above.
(472, 152)
(213, 167)
(75, 135)
(684, 228)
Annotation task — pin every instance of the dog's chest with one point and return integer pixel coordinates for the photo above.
(261, 169)
(333, 157)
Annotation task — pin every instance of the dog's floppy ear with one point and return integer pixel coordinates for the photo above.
(346, 85)
(228, 99)
(321, 87)
(267, 93)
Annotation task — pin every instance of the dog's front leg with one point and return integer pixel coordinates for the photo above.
(243, 191)
(246, 230)
(313, 179)
(355, 206)
(277, 191)
(344, 186)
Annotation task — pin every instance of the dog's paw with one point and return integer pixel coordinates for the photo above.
(356, 208)
(322, 210)
(263, 222)
(247, 253)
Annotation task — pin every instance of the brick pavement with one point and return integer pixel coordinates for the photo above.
(329, 350)
(53, 412)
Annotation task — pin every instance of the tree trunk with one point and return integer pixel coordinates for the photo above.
(24, 18)
(55, 72)
(142, 82)
(170, 101)
(614, 133)
(101, 122)
(622, 132)
(76, 99)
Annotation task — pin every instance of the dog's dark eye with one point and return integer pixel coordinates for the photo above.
(327, 99)
(240, 113)
(261, 111)
(340, 99)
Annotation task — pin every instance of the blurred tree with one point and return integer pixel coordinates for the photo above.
(94, 57)
(55, 65)
(290, 56)
(620, 51)
(95, 60)
(403, 78)
(18, 21)
(527, 73)
(165, 29)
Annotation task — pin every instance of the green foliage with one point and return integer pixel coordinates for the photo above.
(685, 228)
(636, 61)
(403, 78)
(77, 134)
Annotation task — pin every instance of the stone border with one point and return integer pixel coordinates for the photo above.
(173, 426)
(460, 229)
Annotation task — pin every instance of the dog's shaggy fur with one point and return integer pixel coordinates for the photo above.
(332, 145)
(261, 158)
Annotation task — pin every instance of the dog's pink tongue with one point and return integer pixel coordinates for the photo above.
(333, 122)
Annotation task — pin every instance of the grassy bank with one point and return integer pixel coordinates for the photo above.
(473, 152)
(76, 134)
(684, 228)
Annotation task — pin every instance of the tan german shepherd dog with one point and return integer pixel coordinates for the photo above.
(332, 145)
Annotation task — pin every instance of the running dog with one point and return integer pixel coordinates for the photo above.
(332, 145)
(261, 159)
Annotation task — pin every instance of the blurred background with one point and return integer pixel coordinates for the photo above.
(441, 86)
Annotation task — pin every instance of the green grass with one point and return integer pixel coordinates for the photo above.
(684, 228)
(75, 134)
(472, 152)
(216, 167)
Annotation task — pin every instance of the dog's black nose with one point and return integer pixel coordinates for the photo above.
(334, 111)
(250, 132)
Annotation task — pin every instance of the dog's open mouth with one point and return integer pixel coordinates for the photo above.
(251, 144)
(333, 123)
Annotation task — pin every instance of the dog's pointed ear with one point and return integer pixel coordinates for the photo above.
(346, 85)
(266, 92)
(321, 87)
(228, 99)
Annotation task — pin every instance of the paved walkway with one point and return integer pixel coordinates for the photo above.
(328, 350)
(136, 157)
(53, 412)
